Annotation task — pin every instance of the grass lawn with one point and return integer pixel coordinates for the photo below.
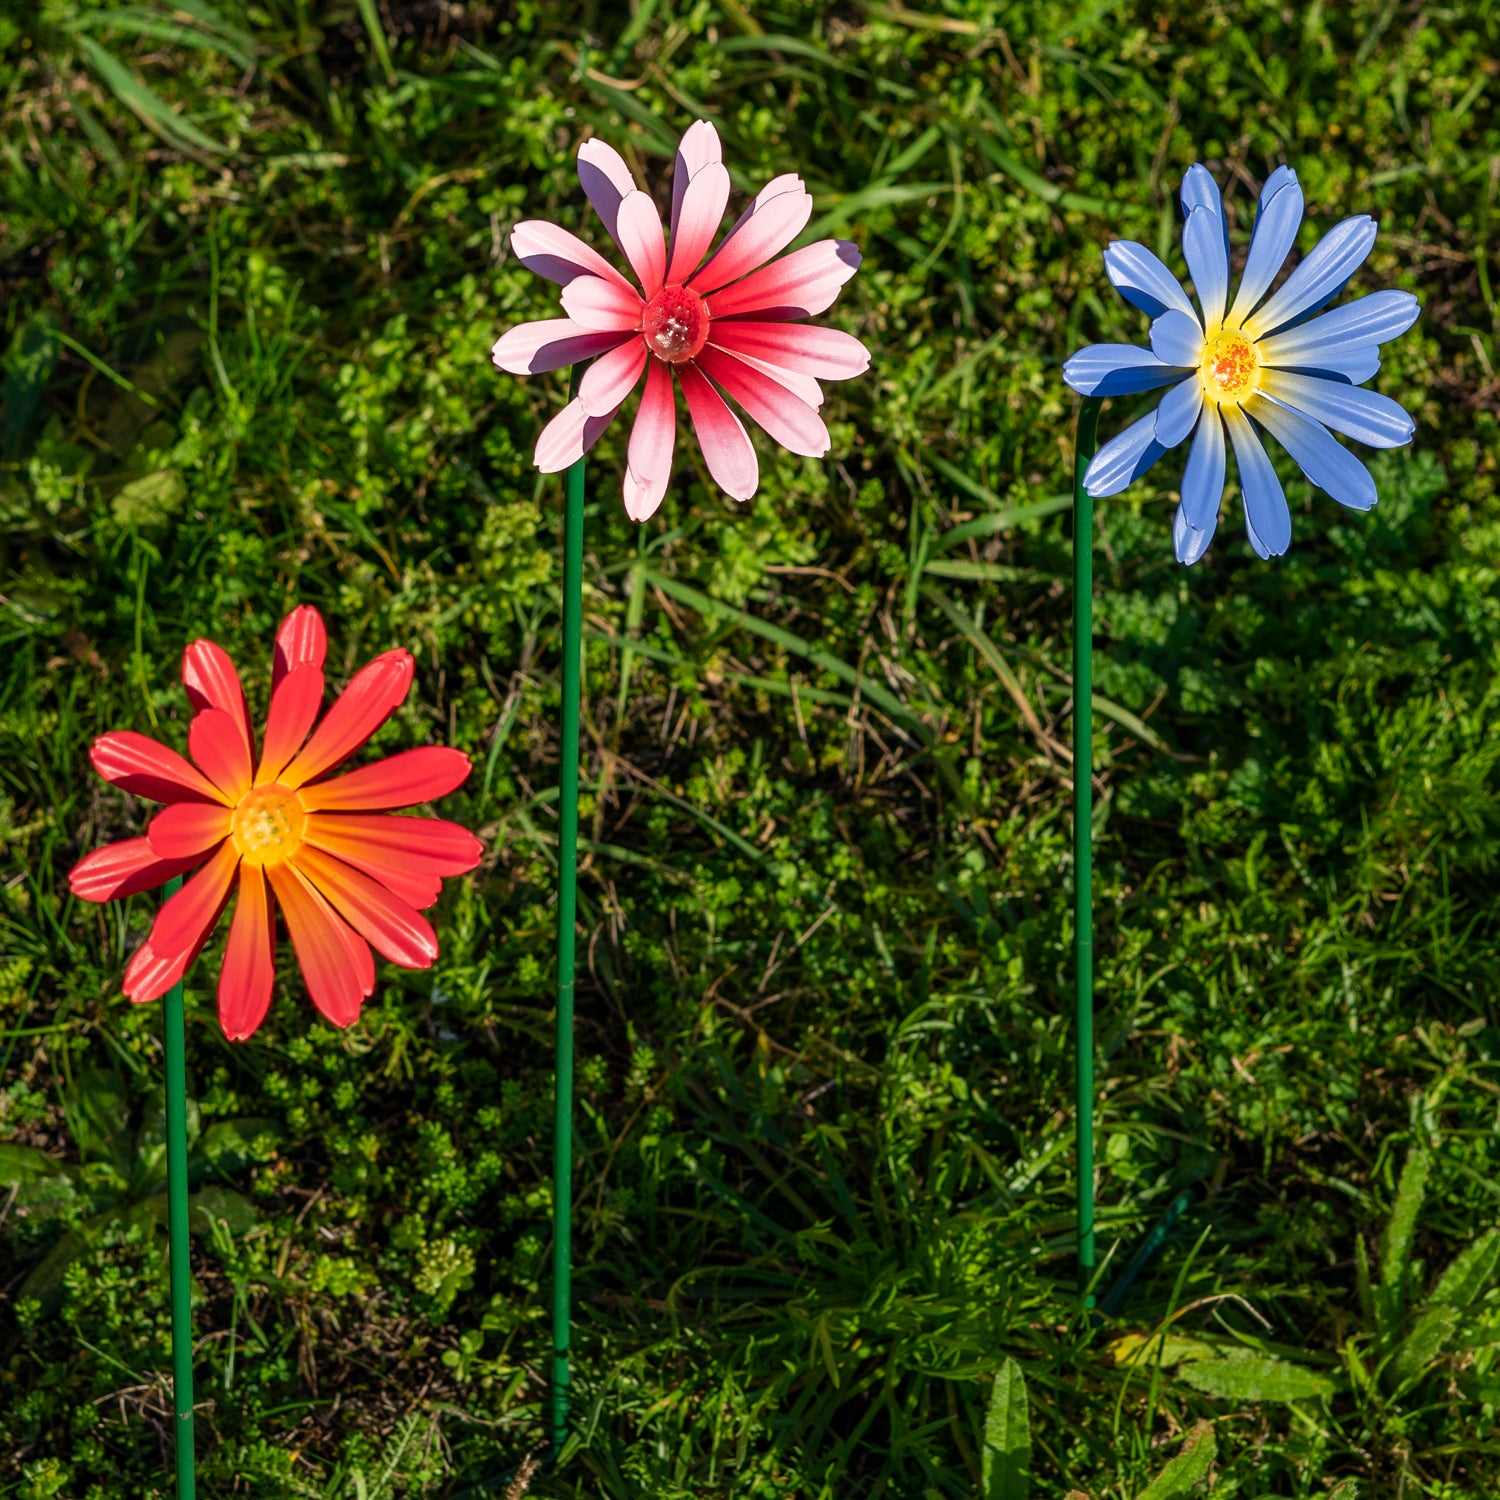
(253, 255)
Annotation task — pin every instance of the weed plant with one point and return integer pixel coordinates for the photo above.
(252, 258)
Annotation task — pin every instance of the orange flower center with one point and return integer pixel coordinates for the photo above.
(268, 824)
(675, 324)
(1230, 367)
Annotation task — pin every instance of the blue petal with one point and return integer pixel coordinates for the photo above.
(1321, 457)
(1199, 190)
(1177, 339)
(1178, 411)
(1323, 274)
(1142, 280)
(1124, 458)
(1366, 416)
(1351, 365)
(1275, 232)
(1117, 370)
(1189, 543)
(1208, 263)
(1203, 478)
(1274, 184)
(1376, 319)
(1266, 515)
(1261, 550)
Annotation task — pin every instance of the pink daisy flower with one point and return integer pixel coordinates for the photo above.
(726, 323)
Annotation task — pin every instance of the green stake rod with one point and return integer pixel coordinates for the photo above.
(567, 908)
(1083, 829)
(174, 1043)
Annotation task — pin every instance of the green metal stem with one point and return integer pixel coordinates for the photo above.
(567, 909)
(174, 1041)
(1083, 829)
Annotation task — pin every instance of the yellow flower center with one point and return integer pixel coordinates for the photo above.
(268, 824)
(1230, 367)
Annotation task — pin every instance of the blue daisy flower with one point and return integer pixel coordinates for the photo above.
(1277, 360)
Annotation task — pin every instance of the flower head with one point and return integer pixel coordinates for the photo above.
(1278, 359)
(721, 324)
(346, 875)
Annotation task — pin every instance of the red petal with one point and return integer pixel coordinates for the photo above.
(221, 751)
(302, 641)
(141, 765)
(401, 780)
(149, 976)
(418, 888)
(336, 963)
(295, 702)
(394, 928)
(373, 695)
(212, 682)
(126, 868)
(432, 846)
(249, 970)
(187, 830)
(185, 920)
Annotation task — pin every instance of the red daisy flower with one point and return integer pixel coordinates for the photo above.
(346, 875)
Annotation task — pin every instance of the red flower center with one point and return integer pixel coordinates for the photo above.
(268, 824)
(675, 324)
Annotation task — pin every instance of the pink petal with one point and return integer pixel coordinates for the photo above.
(535, 348)
(698, 147)
(552, 252)
(721, 435)
(804, 387)
(799, 285)
(642, 240)
(826, 353)
(786, 417)
(611, 378)
(601, 306)
(774, 188)
(605, 179)
(694, 228)
(649, 458)
(568, 436)
(126, 868)
(775, 219)
(302, 641)
(212, 682)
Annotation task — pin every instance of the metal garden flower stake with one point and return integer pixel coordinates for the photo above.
(724, 322)
(347, 874)
(1275, 360)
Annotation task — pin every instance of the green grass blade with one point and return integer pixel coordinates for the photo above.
(147, 105)
(875, 692)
